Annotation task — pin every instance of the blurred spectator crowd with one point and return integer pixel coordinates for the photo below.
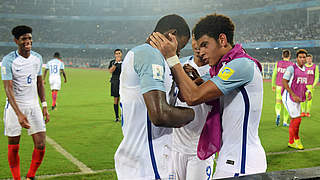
(285, 25)
(259, 28)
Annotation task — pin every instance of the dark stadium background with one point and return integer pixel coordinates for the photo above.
(87, 31)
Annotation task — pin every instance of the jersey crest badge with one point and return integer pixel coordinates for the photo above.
(157, 71)
(225, 73)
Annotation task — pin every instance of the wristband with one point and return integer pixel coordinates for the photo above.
(44, 104)
(173, 61)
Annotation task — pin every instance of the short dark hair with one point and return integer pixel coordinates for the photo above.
(286, 53)
(302, 51)
(56, 54)
(173, 21)
(20, 30)
(309, 55)
(213, 25)
(117, 50)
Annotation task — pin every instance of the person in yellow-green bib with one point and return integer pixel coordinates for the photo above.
(277, 86)
(313, 79)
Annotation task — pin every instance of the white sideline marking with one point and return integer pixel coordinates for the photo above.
(74, 173)
(83, 168)
(69, 174)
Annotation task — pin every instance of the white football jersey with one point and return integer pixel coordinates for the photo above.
(54, 66)
(23, 72)
(242, 85)
(145, 151)
(185, 139)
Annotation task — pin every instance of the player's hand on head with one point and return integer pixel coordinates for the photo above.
(167, 47)
(46, 114)
(23, 121)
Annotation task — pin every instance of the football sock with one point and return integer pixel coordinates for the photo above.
(278, 108)
(54, 97)
(37, 157)
(14, 160)
(116, 110)
(296, 126)
(291, 132)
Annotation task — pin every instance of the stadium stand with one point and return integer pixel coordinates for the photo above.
(88, 30)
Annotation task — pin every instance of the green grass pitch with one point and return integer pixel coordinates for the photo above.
(83, 125)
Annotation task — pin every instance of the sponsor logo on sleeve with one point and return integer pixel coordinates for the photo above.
(157, 71)
(225, 73)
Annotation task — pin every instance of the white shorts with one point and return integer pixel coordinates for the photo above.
(141, 167)
(292, 107)
(55, 83)
(190, 167)
(34, 115)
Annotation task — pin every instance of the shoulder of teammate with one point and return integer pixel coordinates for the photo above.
(40, 59)
(149, 64)
(60, 64)
(37, 55)
(146, 56)
(234, 74)
(6, 65)
(289, 72)
(48, 63)
(9, 57)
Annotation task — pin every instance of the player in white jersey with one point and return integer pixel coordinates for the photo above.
(187, 166)
(21, 74)
(147, 118)
(237, 81)
(55, 67)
